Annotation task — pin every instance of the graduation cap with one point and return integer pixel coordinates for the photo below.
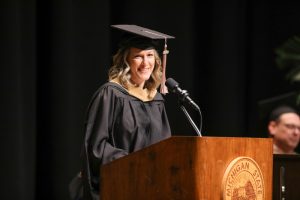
(272, 108)
(144, 38)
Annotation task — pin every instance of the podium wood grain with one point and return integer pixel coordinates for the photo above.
(181, 168)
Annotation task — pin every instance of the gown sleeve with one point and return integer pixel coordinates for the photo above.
(98, 146)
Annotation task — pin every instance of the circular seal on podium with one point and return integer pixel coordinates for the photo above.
(243, 180)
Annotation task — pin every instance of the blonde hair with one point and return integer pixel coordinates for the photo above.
(121, 70)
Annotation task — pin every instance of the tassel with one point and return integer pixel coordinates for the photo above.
(163, 87)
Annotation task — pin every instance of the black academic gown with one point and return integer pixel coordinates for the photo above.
(118, 124)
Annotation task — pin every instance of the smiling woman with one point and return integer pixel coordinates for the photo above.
(143, 72)
(127, 113)
(141, 64)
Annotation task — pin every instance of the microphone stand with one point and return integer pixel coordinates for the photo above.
(190, 119)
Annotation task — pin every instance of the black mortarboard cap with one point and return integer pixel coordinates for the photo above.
(140, 37)
(282, 109)
(272, 108)
(144, 38)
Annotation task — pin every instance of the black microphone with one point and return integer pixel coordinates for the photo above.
(183, 94)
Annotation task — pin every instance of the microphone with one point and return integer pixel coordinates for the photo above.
(184, 97)
(183, 94)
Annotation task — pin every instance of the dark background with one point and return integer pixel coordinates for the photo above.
(56, 53)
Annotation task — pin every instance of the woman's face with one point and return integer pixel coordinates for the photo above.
(141, 64)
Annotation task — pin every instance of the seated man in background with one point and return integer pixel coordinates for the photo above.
(284, 127)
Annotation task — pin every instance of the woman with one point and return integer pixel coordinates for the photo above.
(127, 113)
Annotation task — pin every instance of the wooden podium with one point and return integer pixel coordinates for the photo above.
(179, 168)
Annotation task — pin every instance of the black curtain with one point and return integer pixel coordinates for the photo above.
(55, 54)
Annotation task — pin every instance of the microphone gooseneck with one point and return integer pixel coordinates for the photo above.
(183, 95)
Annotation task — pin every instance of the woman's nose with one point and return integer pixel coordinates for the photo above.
(144, 60)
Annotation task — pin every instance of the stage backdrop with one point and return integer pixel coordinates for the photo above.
(56, 53)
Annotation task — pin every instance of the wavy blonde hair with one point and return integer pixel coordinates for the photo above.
(121, 70)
